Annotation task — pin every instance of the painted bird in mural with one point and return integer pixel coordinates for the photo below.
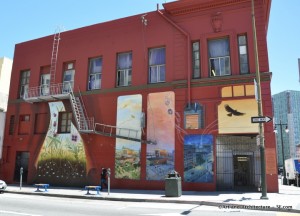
(232, 111)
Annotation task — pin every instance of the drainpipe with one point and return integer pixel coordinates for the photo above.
(188, 51)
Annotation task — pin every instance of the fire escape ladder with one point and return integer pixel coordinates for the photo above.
(87, 125)
(83, 122)
(56, 40)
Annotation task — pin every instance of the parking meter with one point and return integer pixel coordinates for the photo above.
(21, 173)
(108, 180)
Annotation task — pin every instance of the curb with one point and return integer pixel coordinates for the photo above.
(206, 203)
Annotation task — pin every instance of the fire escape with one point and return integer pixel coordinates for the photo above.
(59, 91)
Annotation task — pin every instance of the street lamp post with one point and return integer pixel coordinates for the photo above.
(284, 181)
(260, 110)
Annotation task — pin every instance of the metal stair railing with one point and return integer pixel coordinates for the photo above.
(123, 133)
(84, 123)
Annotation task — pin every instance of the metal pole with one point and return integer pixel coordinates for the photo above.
(284, 181)
(260, 112)
(108, 181)
(21, 173)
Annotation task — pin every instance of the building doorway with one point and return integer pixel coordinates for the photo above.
(242, 170)
(22, 159)
(237, 163)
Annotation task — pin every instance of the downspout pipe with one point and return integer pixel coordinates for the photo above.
(188, 52)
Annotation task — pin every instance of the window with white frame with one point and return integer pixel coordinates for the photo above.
(124, 69)
(196, 59)
(45, 84)
(68, 80)
(219, 57)
(95, 73)
(157, 65)
(244, 67)
(24, 83)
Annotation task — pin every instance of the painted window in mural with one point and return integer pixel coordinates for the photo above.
(242, 40)
(124, 69)
(129, 115)
(64, 122)
(157, 65)
(95, 73)
(198, 158)
(219, 57)
(24, 124)
(160, 128)
(69, 73)
(193, 116)
(196, 59)
(62, 159)
(24, 83)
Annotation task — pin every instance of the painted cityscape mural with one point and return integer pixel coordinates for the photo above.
(62, 159)
(127, 156)
(198, 158)
(161, 129)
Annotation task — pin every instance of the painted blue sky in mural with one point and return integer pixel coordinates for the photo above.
(198, 139)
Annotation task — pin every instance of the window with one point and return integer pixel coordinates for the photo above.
(45, 84)
(24, 83)
(41, 123)
(68, 80)
(124, 68)
(95, 73)
(11, 125)
(24, 124)
(65, 119)
(157, 65)
(219, 57)
(244, 68)
(196, 59)
(193, 116)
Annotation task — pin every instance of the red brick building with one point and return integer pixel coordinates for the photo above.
(144, 95)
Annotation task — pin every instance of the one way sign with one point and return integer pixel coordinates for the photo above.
(262, 119)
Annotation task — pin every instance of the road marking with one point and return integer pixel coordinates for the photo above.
(17, 213)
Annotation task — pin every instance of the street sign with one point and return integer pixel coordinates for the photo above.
(262, 119)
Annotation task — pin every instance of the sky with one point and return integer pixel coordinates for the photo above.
(24, 20)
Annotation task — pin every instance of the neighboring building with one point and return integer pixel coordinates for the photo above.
(5, 73)
(135, 94)
(286, 106)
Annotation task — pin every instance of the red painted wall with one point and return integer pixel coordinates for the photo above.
(129, 34)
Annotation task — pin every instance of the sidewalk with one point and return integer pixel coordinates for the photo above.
(287, 200)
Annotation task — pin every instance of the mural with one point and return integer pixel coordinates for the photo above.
(234, 116)
(198, 158)
(62, 158)
(160, 128)
(129, 114)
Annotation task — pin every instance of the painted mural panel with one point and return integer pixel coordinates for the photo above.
(62, 159)
(198, 158)
(234, 116)
(160, 128)
(129, 114)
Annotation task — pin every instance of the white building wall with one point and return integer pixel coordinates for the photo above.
(5, 74)
(2, 123)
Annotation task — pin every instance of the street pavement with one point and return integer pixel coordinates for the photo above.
(286, 200)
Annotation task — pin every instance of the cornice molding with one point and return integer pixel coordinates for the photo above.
(182, 7)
